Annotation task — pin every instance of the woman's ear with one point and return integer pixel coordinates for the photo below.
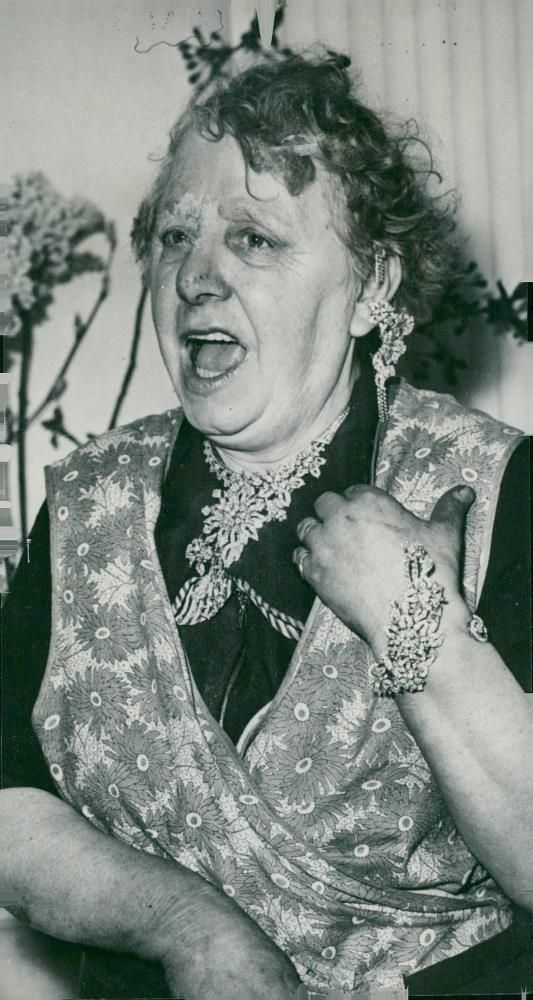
(373, 292)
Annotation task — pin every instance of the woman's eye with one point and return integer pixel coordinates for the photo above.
(255, 241)
(173, 238)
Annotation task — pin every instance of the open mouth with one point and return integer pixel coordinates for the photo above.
(214, 353)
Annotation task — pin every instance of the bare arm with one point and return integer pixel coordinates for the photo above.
(474, 725)
(75, 883)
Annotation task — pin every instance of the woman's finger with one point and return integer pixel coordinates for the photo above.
(327, 504)
(305, 527)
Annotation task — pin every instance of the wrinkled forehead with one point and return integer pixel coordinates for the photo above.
(209, 177)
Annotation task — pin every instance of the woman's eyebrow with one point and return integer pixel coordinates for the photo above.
(185, 209)
(262, 212)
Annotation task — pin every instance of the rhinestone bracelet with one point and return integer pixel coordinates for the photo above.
(412, 633)
(412, 639)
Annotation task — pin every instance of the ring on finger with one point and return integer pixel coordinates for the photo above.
(300, 556)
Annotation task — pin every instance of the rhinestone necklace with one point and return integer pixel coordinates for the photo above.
(246, 502)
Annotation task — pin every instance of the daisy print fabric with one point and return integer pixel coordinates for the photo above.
(326, 827)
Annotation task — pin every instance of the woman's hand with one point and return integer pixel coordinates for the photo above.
(352, 553)
(228, 956)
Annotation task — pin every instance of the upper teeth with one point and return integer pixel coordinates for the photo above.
(216, 335)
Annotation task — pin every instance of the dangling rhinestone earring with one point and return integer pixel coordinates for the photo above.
(394, 327)
(379, 264)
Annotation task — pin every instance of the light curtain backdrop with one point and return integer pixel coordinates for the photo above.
(85, 108)
(463, 70)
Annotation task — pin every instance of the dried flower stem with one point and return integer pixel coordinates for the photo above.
(25, 367)
(132, 362)
(63, 432)
(81, 332)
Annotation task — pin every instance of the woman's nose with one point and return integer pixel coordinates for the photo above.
(199, 276)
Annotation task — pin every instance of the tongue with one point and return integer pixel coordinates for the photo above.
(218, 357)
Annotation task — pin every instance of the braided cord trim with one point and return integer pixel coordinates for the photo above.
(186, 613)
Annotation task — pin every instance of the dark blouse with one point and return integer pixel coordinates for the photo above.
(238, 660)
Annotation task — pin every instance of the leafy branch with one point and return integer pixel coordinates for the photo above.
(55, 424)
(467, 309)
(44, 235)
(81, 329)
(209, 58)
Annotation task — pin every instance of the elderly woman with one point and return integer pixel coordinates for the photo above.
(278, 689)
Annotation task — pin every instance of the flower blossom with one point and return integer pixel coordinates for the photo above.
(44, 230)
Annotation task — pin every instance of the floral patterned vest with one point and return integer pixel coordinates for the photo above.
(325, 823)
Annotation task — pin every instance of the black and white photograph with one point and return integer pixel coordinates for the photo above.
(265, 502)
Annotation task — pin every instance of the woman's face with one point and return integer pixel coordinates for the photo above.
(253, 294)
